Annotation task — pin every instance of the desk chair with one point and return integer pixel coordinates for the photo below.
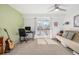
(22, 34)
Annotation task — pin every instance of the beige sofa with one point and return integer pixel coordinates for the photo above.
(71, 41)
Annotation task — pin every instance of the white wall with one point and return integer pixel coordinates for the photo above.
(70, 17)
(11, 20)
(57, 29)
(30, 21)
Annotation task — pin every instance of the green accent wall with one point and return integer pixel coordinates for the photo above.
(10, 19)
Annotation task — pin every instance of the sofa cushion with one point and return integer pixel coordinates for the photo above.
(76, 37)
(65, 34)
(70, 35)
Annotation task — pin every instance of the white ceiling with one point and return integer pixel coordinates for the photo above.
(42, 8)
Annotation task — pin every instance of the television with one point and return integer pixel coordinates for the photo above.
(28, 28)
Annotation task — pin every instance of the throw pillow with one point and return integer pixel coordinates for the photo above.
(70, 35)
(65, 34)
(76, 38)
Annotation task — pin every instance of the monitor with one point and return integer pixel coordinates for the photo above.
(28, 28)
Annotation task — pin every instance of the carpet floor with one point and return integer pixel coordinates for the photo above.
(33, 48)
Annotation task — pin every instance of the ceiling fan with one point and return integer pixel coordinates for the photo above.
(56, 8)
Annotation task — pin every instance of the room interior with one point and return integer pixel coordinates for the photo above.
(42, 25)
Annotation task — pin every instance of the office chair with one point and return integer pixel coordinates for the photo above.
(22, 34)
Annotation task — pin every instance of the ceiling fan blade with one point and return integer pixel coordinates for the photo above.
(51, 10)
(56, 7)
(62, 9)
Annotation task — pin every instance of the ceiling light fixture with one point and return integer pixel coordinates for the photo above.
(56, 9)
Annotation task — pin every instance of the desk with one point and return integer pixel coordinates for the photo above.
(30, 32)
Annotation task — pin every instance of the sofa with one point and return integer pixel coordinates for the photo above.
(70, 39)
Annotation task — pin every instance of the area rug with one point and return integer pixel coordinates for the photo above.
(41, 41)
(45, 41)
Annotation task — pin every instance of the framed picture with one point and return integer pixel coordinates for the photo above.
(76, 21)
(56, 24)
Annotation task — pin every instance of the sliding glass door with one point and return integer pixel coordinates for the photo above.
(43, 27)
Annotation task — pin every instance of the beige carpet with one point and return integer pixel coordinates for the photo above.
(32, 48)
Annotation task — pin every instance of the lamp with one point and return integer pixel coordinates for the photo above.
(56, 9)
